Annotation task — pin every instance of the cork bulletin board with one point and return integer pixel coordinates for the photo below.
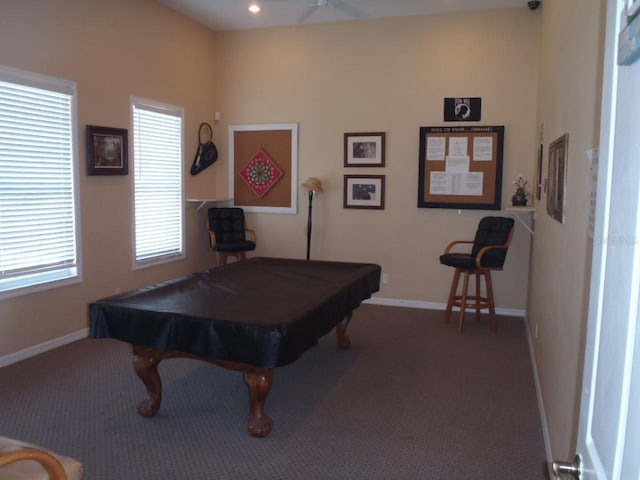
(263, 167)
(461, 167)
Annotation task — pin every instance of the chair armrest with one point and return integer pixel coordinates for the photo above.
(485, 250)
(493, 247)
(455, 242)
(52, 466)
(212, 238)
(251, 233)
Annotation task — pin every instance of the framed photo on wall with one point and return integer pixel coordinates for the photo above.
(558, 151)
(364, 149)
(107, 150)
(364, 191)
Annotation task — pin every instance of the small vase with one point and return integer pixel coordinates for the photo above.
(518, 202)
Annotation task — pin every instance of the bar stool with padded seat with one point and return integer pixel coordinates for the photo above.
(489, 252)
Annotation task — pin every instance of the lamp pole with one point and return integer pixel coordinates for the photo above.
(309, 224)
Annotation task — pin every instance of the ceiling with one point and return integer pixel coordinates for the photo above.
(221, 15)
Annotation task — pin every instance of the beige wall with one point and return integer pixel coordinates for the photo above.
(386, 75)
(112, 50)
(570, 95)
(380, 75)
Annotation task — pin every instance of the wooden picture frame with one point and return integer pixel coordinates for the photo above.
(263, 144)
(364, 149)
(364, 191)
(557, 177)
(107, 151)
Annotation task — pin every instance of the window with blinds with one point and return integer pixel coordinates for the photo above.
(38, 184)
(157, 168)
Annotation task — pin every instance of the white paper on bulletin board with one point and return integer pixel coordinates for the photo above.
(444, 183)
(436, 148)
(457, 164)
(483, 149)
(458, 146)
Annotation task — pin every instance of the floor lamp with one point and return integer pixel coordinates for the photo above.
(313, 186)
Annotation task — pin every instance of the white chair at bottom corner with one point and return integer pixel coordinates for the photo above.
(25, 461)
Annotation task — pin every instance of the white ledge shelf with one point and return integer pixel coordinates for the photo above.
(516, 211)
(200, 203)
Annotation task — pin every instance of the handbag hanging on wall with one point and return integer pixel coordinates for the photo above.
(207, 152)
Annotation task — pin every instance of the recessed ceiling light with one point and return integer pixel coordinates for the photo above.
(254, 8)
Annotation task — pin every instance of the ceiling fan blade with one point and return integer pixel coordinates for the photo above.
(349, 9)
(307, 13)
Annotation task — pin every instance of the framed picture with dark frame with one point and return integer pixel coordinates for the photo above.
(364, 149)
(461, 167)
(558, 152)
(107, 151)
(364, 191)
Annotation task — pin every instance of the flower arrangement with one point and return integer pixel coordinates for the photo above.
(520, 197)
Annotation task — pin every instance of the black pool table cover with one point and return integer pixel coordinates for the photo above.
(264, 312)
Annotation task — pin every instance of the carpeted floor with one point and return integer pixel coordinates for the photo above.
(412, 399)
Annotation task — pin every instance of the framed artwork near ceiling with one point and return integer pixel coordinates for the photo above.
(462, 109)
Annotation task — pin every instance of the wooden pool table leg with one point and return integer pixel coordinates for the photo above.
(341, 332)
(145, 363)
(259, 381)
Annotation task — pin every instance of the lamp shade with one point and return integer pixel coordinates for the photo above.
(314, 184)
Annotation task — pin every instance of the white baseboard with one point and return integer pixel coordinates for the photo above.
(543, 415)
(72, 337)
(395, 302)
(43, 347)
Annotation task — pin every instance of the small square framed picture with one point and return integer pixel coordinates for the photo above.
(364, 149)
(364, 191)
(107, 150)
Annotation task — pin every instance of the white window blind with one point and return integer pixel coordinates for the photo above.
(158, 199)
(38, 224)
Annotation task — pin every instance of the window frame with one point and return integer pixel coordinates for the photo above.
(167, 109)
(56, 279)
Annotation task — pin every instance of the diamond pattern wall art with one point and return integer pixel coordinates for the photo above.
(263, 167)
(261, 173)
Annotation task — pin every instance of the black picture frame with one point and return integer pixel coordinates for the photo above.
(483, 145)
(462, 109)
(107, 151)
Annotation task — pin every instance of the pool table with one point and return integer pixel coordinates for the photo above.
(251, 316)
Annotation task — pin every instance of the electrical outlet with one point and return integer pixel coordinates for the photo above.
(385, 278)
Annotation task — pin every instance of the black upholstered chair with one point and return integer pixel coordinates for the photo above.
(228, 233)
(488, 252)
